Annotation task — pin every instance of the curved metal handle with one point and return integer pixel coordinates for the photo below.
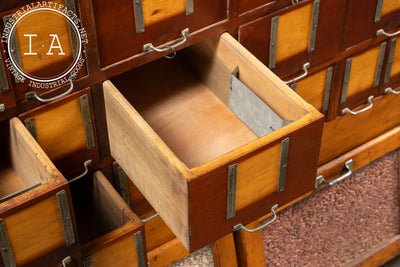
(66, 261)
(2, 107)
(306, 66)
(149, 218)
(382, 32)
(347, 110)
(149, 46)
(33, 94)
(320, 181)
(391, 91)
(242, 227)
(86, 164)
(295, 2)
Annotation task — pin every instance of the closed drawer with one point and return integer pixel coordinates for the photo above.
(36, 219)
(362, 77)
(176, 138)
(124, 27)
(350, 131)
(314, 26)
(43, 47)
(65, 130)
(110, 233)
(366, 17)
(316, 87)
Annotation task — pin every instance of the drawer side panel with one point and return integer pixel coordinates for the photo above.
(137, 148)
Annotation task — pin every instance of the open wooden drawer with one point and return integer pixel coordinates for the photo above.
(110, 233)
(36, 221)
(172, 130)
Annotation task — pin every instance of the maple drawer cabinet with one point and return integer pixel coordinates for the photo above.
(36, 217)
(201, 168)
(110, 233)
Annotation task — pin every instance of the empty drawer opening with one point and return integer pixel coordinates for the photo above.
(199, 107)
(96, 209)
(15, 178)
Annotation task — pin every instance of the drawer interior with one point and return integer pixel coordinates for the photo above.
(23, 164)
(98, 208)
(190, 102)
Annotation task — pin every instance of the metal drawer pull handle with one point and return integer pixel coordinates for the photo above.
(33, 94)
(381, 31)
(86, 164)
(391, 91)
(295, 2)
(306, 66)
(320, 181)
(347, 110)
(150, 46)
(66, 261)
(149, 218)
(242, 227)
(2, 107)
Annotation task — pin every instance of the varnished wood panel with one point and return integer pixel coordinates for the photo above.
(159, 10)
(340, 135)
(157, 232)
(118, 254)
(293, 28)
(363, 70)
(390, 6)
(312, 89)
(396, 61)
(35, 231)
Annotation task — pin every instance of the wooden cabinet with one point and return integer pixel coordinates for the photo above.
(284, 41)
(124, 27)
(188, 155)
(111, 234)
(36, 217)
(65, 130)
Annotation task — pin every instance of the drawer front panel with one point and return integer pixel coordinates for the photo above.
(315, 89)
(118, 37)
(119, 254)
(65, 128)
(366, 17)
(35, 231)
(311, 26)
(350, 131)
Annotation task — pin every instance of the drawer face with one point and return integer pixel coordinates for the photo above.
(121, 31)
(35, 231)
(65, 128)
(341, 135)
(312, 26)
(362, 77)
(315, 89)
(366, 17)
(110, 233)
(208, 136)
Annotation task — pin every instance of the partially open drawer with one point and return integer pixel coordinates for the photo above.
(173, 128)
(110, 233)
(36, 220)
